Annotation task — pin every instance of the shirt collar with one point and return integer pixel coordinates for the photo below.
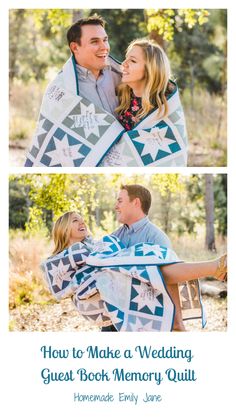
(139, 224)
(85, 73)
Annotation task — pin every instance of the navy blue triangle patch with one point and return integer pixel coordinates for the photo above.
(161, 154)
(51, 146)
(138, 146)
(72, 140)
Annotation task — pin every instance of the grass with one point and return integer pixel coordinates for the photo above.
(25, 100)
(191, 247)
(21, 128)
(26, 280)
(207, 137)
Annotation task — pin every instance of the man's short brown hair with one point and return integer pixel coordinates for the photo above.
(138, 191)
(75, 31)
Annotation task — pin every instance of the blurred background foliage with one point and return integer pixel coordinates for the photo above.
(194, 39)
(178, 207)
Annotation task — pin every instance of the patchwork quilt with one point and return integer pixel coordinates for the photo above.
(116, 285)
(154, 141)
(73, 132)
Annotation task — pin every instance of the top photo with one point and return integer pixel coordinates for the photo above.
(118, 87)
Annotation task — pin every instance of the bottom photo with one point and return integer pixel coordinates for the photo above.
(118, 252)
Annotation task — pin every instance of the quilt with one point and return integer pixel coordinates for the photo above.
(116, 285)
(73, 132)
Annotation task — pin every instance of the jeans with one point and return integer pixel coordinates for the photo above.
(110, 328)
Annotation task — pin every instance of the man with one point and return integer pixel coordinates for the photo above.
(132, 207)
(98, 74)
(77, 123)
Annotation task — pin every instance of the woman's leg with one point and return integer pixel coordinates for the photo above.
(186, 271)
(178, 325)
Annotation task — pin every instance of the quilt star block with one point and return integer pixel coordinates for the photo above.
(88, 121)
(155, 143)
(63, 144)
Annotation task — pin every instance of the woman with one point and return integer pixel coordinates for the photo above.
(145, 84)
(150, 112)
(70, 230)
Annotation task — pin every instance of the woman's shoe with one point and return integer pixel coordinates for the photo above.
(221, 271)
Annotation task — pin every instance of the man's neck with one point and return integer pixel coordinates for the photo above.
(96, 73)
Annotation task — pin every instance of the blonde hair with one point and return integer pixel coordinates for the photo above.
(157, 76)
(61, 232)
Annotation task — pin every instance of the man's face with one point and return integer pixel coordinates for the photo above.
(126, 210)
(92, 53)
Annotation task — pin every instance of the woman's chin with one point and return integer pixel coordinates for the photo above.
(128, 82)
(125, 80)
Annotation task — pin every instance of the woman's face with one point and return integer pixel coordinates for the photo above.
(78, 230)
(133, 67)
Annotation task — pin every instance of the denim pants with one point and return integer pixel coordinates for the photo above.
(110, 328)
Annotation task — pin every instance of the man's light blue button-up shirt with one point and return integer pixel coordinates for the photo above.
(142, 231)
(101, 91)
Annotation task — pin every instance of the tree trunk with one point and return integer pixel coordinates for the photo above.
(223, 90)
(166, 203)
(158, 39)
(98, 216)
(209, 209)
(76, 15)
(192, 83)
